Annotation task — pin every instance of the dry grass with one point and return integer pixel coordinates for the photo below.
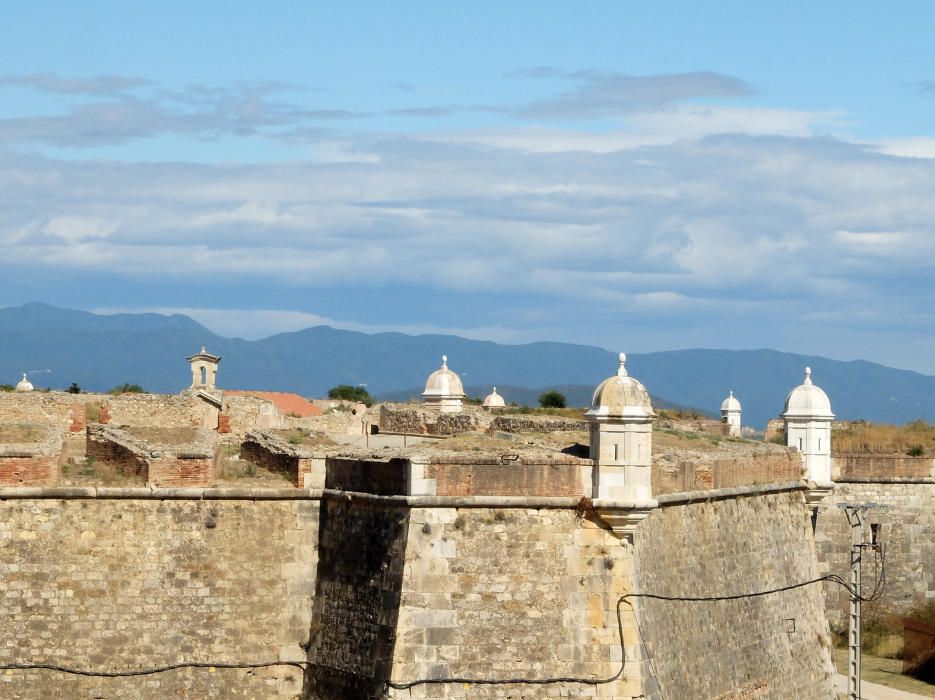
(12, 434)
(163, 436)
(572, 413)
(306, 438)
(886, 672)
(234, 472)
(916, 439)
(89, 472)
(476, 442)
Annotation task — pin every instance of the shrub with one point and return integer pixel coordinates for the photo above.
(73, 388)
(350, 393)
(916, 451)
(127, 389)
(552, 399)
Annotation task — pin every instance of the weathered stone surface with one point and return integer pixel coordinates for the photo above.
(906, 514)
(536, 424)
(123, 584)
(740, 648)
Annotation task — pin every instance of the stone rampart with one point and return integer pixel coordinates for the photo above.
(510, 475)
(773, 646)
(749, 470)
(847, 466)
(127, 584)
(904, 510)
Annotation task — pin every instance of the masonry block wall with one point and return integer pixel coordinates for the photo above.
(505, 593)
(130, 584)
(906, 513)
(775, 646)
(357, 598)
(876, 466)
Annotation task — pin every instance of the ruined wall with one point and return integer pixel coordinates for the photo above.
(128, 584)
(774, 646)
(420, 420)
(157, 410)
(277, 455)
(906, 512)
(53, 407)
(536, 424)
(501, 593)
(30, 454)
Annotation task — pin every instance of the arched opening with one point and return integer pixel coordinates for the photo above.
(204, 374)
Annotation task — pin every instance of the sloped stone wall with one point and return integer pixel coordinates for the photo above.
(776, 646)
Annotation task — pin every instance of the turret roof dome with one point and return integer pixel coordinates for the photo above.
(443, 383)
(494, 400)
(621, 396)
(730, 403)
(807, 401)
(24, 384)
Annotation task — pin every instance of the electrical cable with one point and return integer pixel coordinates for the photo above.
(302, 665)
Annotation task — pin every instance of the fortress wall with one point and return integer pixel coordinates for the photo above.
(775, 646)
(845, 466)
(128, 584)
(537, 424)
(502, 593)
(357, 596)
(472, 478)
(749, 470)
(906, 512)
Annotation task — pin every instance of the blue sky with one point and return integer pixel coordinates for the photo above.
(639, 176)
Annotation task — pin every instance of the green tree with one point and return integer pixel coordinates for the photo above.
(127, 389)
(552, 399)
(350, 393)
(74, 388)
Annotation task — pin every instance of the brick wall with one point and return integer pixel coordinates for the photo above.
(749, 470)
(511, 479)
(181, 471)
(33, 470)
(845, 466)
(292, 466)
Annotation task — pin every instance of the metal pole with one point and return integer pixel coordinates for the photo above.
(853, 634)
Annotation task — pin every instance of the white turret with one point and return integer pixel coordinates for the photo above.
(730, 414)
(443, 389)
(808, 419)
(621, 417)
(493, 400)
(24, 384)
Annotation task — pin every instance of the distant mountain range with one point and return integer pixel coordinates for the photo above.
(99, 352)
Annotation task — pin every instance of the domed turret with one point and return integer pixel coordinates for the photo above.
(493, 400)
(620, 396)
(621, 417)
(24, 384)
(808, 419)
(730, 414)
(443, 388)
(807, 400)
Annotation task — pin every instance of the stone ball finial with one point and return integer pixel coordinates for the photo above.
(808, 375)
(444, 360)
(203, 349)
(622, 369)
